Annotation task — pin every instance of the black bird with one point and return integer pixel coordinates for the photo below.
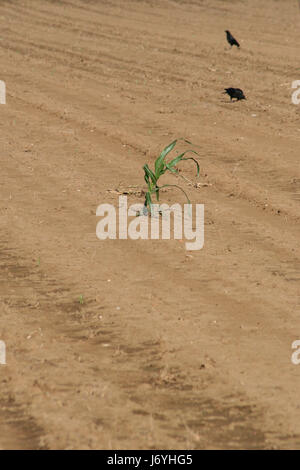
(232, 41)
(235, 93)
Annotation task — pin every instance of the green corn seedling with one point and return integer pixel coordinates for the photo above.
(161, 166)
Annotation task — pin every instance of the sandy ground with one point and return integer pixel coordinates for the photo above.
(168, 348)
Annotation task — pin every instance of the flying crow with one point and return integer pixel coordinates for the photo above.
(235, 93)
(232, 41)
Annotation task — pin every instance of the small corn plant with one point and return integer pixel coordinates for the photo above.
(161, 166)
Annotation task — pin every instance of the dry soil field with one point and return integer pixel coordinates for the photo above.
(167, 348)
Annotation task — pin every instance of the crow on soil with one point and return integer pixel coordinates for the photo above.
(232, 41)
(235, 93)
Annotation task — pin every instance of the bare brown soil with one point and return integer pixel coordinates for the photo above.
(170, 349)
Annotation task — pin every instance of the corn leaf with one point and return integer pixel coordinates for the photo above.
(159, 164)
